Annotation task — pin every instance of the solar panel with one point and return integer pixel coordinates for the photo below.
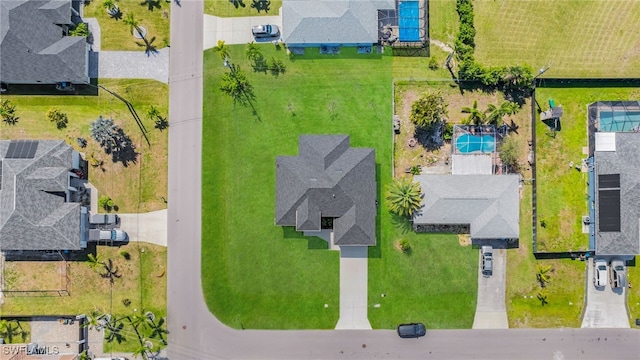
(21, 149)
(609, 181)
(609, 210)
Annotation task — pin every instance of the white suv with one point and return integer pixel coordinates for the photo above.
(600, 272)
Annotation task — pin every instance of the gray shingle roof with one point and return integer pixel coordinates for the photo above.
(626, 162)
(332, 21)
(328, 179)
(32, 46)
(34, 214)
(488, 203)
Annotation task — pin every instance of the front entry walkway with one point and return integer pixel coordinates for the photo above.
(353, 288)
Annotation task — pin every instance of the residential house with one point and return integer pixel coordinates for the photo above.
(35, 46)
(329, 183)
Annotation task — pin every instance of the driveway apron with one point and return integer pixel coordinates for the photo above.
(606, 307)
(235, 30)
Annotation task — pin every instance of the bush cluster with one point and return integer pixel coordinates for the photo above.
(494, 77)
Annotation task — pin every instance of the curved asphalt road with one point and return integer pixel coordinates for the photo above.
(196, 334)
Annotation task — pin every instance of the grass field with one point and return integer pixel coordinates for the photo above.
(143, 282)
(235, 8)
(290, 277)
(118, 36)
(633, 293)
(129, 186)
(578, 38)
(443, 20)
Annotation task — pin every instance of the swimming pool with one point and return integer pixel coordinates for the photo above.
(619, 121)
(409, 20)
(467, 143)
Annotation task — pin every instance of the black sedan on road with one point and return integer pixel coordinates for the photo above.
(413, 330)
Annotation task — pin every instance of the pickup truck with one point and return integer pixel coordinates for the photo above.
(103, 219)
(118, 235)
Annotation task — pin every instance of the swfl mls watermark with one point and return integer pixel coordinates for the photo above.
(31, 349)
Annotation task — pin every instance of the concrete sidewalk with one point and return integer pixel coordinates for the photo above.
(148, 227)
(236, 30)
(353, 288)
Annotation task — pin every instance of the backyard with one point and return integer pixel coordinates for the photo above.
(127, 183)
(142, 286)
(291, 274)
(117, 35)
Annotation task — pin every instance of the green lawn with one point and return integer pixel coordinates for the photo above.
(129, 186)
(578, 38)
(118, 36)
(257, 275)
(443, 20)
(633, 298)
(235, 8)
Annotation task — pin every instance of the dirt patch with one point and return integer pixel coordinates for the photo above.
(464, 239)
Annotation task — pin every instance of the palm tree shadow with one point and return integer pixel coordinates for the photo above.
(401, 223)
(237, 3)
(151, 4)
(150, 49)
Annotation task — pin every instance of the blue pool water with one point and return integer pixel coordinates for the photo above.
(467, 143)
(619, 121)
(409, 20)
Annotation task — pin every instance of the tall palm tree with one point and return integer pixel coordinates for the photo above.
(110, 272)
(496, 114)
(143, 349)
(94, 319)
(133, 24)
(222, 49)
(94, 261)
(476, 116)
(113, 330)
(404, 196)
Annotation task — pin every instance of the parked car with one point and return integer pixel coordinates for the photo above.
(413, 330)
(264, 31)
(487, 261)
(617, 274)
(600, 272)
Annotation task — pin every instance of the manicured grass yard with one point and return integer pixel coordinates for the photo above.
(634, 293)
(235, 8)
(118, 36)
(129, 186)
(257, 275)
(578, 38)
(143, 282)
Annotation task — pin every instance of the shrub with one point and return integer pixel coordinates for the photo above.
(404, 245)
(125, 254)
(126, 302)
(433, 64)
(8, 112)
(429, 109)
(447, 130)
(105, 202)
(80, 30)
(82, 142)
(56, 116)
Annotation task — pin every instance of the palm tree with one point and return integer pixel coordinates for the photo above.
(496, 114)
(133, 24)
(113, 330)
(95, 261)
(9, 329)
(237, 86)
(404, 196)
(476, 116)
(143, 349)
(157, 329)
(8, 112)
(252, 52)
(153, 113)
(94, 319)
(222, 49)
(110, 271)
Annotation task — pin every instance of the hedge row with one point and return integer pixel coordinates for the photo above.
(494, 77)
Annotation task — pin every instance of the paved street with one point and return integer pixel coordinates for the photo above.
(194, 333)
(491, 312)
(606, 307)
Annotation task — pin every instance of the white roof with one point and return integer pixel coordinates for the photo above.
(605, 141)
(476, 164)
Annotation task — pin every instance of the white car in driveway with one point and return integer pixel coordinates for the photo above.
(600, 272)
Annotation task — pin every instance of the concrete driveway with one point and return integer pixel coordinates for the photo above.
(491, 312)
(235, 30)
(353, 288)
(606, 307)
(149, 227)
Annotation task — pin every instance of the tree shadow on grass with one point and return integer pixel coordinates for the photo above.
(401, 223)
(238, 3)
(122, 149)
